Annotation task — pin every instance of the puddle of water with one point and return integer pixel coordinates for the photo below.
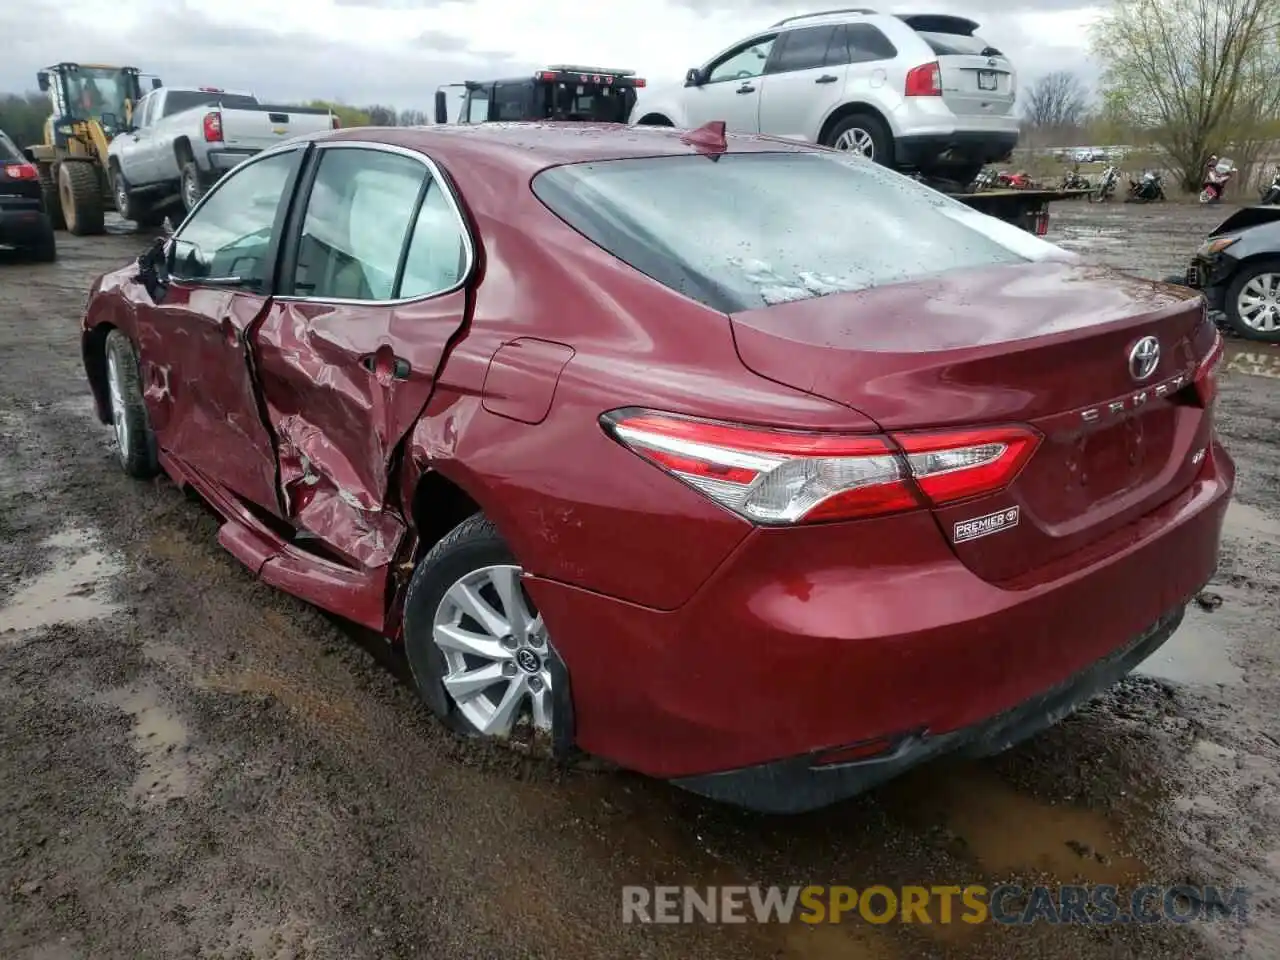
(1252, 361)
(68, 592)
(160, 739)
(1198, 654)
(1010, 832)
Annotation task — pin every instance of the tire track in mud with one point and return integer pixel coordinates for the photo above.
(210, 768)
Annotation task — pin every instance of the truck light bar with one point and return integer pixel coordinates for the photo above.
(600, 75)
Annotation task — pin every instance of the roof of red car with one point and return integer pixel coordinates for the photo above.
(539, 145)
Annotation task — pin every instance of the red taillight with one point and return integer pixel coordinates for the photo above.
(640, 81)
(1040, 223)
(335, 123)
(784, 477)
(1206, 376)
(547, 75)
(924, 81)
(21, 171)
(958, 464)
(213, 127)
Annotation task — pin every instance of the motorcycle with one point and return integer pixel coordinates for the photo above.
(1216, 179)
(1271, 195)
(1075, 180)
(1106, 185)
(985, 180)
(1149, 189)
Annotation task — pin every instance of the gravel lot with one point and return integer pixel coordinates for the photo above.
(193, 765)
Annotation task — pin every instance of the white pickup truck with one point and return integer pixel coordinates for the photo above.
(182, 139)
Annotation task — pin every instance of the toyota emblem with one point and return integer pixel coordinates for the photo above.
(1144, 358)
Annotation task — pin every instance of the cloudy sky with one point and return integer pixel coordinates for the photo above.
(398, 51)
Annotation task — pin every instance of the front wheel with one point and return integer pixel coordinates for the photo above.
(477, 647)
(1253, 302)
(135, 441)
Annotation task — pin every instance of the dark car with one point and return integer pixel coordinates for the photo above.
(1238, 270)
(24, 224)
(735, 461)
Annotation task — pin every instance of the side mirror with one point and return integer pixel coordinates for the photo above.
(694, 78)
(42, 78)
(155, 83)
(442, 107)
(108, 121)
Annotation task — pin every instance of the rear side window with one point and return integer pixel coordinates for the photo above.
(176, 101)
(9, 152)
(753, 229)
(866, 43)
(804, 49)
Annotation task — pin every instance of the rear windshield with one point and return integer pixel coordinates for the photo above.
(957, 44)
(753, 229)
(9, 152)
(176, 101)
(588, 102)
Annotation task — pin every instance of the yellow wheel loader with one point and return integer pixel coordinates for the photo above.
(91, 104)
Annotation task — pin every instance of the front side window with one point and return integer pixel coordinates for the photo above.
(804, 49)
(477, 106)
(229, 236)
(744, 63)
(755, 229)
(357, 221)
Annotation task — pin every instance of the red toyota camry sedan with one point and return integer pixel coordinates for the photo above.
(738, 462)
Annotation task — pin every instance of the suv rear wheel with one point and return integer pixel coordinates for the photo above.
(862, 133)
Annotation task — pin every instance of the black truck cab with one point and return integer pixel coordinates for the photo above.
(560, 92)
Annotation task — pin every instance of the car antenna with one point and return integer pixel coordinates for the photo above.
(707, 139)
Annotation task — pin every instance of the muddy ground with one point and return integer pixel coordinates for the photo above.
(193, 765)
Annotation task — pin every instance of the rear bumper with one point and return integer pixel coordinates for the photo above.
(814, 639)
(796, 784)
(958, 148)
(22, 223)
(220, 161)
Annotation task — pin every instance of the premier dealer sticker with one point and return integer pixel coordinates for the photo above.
(985, 526)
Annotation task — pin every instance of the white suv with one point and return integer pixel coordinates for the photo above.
(916, 92)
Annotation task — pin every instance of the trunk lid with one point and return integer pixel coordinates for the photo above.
(977, 79)
(1045, 344)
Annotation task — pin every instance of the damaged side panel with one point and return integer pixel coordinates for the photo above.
(340, 399)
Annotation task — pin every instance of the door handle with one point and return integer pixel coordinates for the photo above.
(399, 366)
(826, 78)
(746, 88)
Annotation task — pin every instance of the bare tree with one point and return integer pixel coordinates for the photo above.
(1202, 75)
(380, 116)
(1057, 101)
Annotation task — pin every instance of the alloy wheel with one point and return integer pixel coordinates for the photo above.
(1259, 303)
(857, 140)
(119, 417)
(496, 652)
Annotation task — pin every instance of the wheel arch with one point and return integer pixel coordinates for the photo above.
(655, 118)
(183, 152)
(93, 349)
(848, 110)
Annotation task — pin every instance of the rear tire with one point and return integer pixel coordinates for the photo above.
(49, 197)
(191, 187)
(863, 133)
(45, 250)
(80, 192)
(511, 687)
(135, 441)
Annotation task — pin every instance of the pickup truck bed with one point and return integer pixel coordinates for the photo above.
(182, 140)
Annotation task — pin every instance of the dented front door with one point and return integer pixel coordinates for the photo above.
(349, 353)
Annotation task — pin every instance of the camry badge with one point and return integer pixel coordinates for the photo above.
(1144, 358)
